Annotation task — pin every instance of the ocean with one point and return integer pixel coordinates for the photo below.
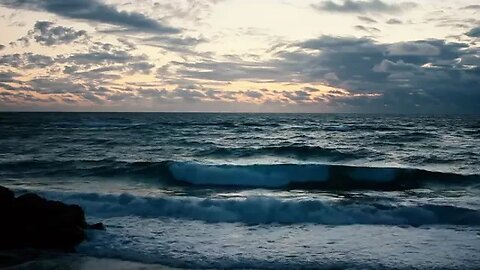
(259, 191)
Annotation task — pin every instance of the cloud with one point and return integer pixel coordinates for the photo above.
(46, 33)
(394, 21)
(367, 29)
(178, 43)
(474, 32)
(81, 74)
(429, 75)
(104, 62)
(142, 67)
(2, 47)
(388, 66)
(475, 7)
(413, 48)
(254, 94)
(426, 75)
(100, 57)
(8, 76)
(226, 70)
(366, 19)
(174, 44)
(93, 11)
(299, 96)
(130, 45)
(24, 100)
(65, 89)
(195, 11)
(26, 60)
(46, 85)
(355, 6)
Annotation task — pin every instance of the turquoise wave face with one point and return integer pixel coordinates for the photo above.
(272, 176)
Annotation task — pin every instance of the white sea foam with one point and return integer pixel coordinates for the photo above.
(266, 210)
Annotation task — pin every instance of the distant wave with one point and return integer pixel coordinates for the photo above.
(406, 137)
(275, 176)
(266, 210)
(294, 151)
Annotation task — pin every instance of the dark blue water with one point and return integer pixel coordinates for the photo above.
(259, 190)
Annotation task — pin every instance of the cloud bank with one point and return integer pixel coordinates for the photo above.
(94, 11)
(354, 6)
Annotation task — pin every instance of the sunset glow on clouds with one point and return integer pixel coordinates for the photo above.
(240, 55)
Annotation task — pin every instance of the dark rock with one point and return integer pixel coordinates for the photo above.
(6, 196)
(10, 258)
(6, 201)
(97, 226)
(30, 221)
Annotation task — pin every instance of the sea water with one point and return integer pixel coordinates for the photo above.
(262, 191)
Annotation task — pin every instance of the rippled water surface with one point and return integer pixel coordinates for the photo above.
(259, 190)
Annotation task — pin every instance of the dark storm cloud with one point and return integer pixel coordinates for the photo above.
(474, 32)
(415, 76)
(94, 11)
(46, 33)
(423, 74)
(355, 6)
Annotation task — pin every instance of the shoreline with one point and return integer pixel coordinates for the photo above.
(74, 261)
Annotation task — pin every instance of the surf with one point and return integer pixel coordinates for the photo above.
(270, 176)
(253, 210)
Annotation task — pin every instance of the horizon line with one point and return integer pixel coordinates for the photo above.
(247, 112)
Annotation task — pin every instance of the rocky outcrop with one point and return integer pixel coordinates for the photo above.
(30, 221)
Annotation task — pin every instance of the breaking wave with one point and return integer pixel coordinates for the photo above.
(275, 176)
(267, 210)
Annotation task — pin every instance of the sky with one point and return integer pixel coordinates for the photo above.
(319, 56)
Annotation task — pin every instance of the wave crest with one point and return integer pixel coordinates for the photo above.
(286, 176)
(267, 210)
